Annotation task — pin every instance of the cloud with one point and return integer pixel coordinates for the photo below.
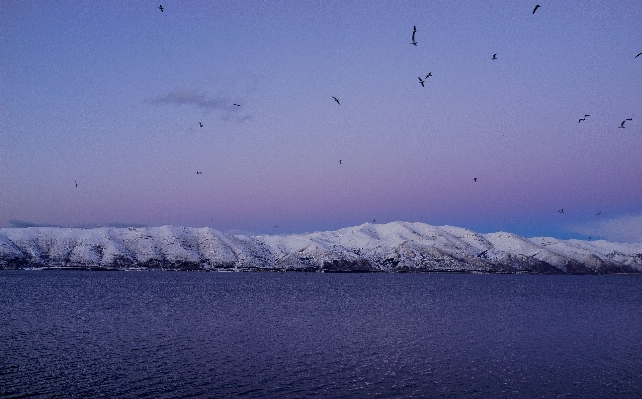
(188, 97)
(23, 224)
(203, 101)
(627, 228)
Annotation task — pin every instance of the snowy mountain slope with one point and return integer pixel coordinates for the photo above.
(392, 247)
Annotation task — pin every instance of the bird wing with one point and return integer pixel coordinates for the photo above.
(535, 9)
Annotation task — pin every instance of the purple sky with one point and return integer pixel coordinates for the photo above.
(110, 94)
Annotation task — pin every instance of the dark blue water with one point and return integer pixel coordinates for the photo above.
(163, 334)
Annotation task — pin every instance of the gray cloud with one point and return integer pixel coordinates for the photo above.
(24, 224)
(188, 97)
(178, 96)
(627, 228)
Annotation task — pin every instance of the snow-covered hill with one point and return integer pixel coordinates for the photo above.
(392, 247)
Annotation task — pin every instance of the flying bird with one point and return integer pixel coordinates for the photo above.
(421, 81)
(336, 99)
(414, 30)
(475, 179)
(561, 210)
(494, 56)
(200, 124)
(76, 183)
(637, 55)
(597, 214)
(238, 105)
(622, 125)
(160, 7)
(535, 9)
(339, 162)
(581, 119)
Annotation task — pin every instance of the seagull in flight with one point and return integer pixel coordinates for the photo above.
(475, 179)
(535, 9)
(421, 81)
(581, 119)
(160, 7)
(494, 56)
(414, 30)
(200, 124)
(638, 55)
(336, 99)
(561, 210)
(598, 214)
(238, 105)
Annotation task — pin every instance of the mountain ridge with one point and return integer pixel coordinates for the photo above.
(391, 247)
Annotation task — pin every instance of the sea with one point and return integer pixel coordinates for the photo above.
(88, 334)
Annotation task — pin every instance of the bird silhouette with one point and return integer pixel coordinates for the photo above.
(76, 183)
(414, 30)
(200, 124)
(494, 56)
(339, 162)
(638, 55)
(622, 125)
(475, 179)
(238, 105)
(336, 99)
(421, 81)
(374, 220)
(597, 214)
(160, 7)
(581, 119)
(535, 9)
(561, 210)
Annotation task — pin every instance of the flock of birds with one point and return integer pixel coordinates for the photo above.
(422, 81)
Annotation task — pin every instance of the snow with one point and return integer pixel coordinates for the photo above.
(396, 246)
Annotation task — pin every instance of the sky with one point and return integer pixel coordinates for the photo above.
(110, 95)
